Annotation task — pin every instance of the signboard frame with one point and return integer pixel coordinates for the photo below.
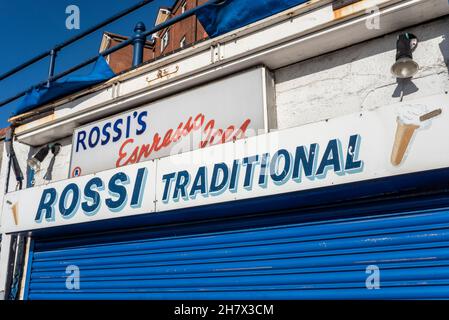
(264, 109)
(390, 141)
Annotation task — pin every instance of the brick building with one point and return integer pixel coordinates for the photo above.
(121, 60)
(166, 41)
(181, 34)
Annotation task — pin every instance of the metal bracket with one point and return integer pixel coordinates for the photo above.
(216, 53)
(115, 90)
(161, 73)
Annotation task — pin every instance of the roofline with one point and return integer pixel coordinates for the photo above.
(171, 9)
(121, 38)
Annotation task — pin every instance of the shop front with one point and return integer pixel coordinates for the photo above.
(355, 207)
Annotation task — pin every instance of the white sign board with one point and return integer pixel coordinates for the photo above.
(399, 139)
(222, 111)
(389, 141)
(111, 194)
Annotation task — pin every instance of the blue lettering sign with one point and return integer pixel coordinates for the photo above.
(168, 179)
(199, 183)
(117, 190)
(279, 168)
(220, 179)
(46, 205)
(104, 133)
(69, 202)
(93, 196)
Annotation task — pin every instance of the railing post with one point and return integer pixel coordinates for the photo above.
(51, 68)
(138, 40)
(138, 43)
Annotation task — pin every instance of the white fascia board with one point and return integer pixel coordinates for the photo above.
(303, 32)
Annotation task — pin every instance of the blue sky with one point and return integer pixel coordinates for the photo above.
(29, 27)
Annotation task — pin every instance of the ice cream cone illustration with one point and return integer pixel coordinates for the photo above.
(409, 120)
(15, 211)
(404, 133)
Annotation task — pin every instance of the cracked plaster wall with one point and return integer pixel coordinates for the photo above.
(358, 77)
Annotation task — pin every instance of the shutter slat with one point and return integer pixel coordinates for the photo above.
(323, 260)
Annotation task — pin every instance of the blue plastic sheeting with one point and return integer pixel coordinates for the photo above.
(234, 14)
(64, 87)
(318, 260)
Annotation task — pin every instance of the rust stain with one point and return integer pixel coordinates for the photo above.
(357, 7)
(33, 124)
(163, 73)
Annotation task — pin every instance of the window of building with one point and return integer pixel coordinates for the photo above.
(164, 41)
(184, 7)
(183, 42)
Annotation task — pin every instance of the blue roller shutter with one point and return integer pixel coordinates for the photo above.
(314, 260)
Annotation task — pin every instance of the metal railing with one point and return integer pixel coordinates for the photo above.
(138, 41)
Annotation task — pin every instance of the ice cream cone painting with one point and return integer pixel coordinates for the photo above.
(404, 133)
(410, 119)
(15, 211)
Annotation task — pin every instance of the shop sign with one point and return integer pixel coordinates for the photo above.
(399, 139)
(111, 194)
(226, 110)
(393, 140)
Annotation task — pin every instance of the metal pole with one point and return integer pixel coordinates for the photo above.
(51, 68)
(24, 65)
(123, 44)
(138, 43)
(76, 38)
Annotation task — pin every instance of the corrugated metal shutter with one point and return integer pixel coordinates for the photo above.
(319, 260)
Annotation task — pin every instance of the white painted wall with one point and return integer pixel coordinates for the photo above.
(358, 77)
(23, 152)
(61, 166)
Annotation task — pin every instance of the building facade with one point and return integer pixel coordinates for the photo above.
(2, 147)
(283, 160)
(121, 60)
(182, 34)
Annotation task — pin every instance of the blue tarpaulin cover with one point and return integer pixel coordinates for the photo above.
(64, 87)
(216, 19)
(234, 14)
